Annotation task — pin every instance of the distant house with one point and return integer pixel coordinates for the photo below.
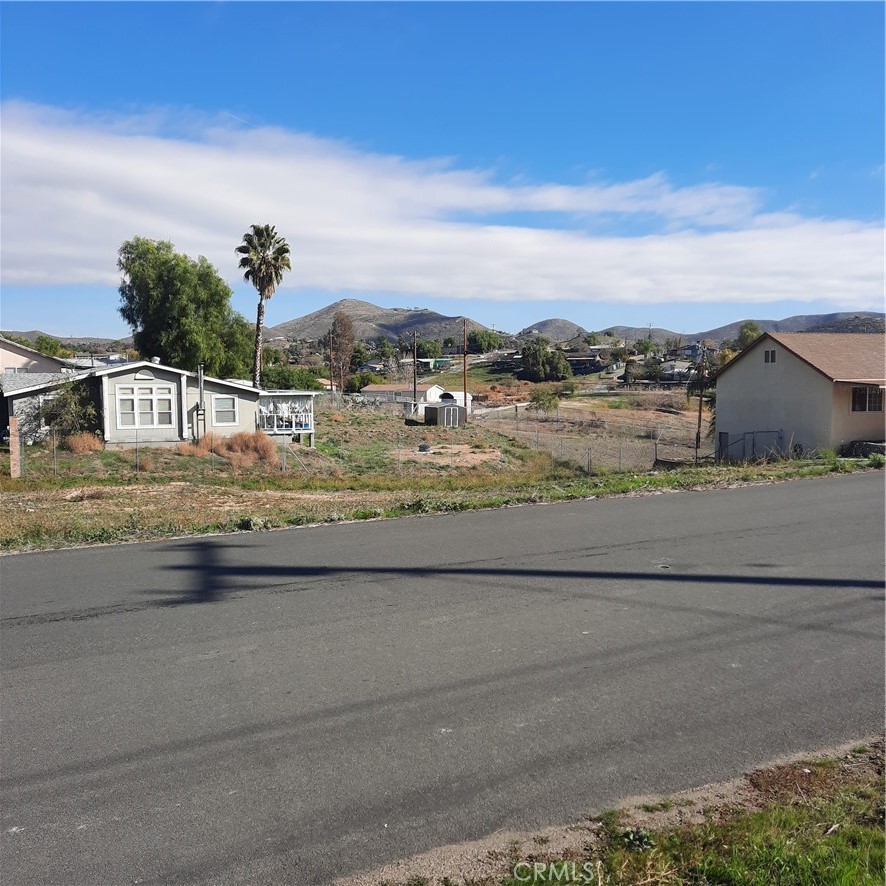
(402, 392)
(149, 404)
(15, 357)
(20, 365)
(799, 392)
(427, 394)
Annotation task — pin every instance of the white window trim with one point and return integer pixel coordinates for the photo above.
(226, 424)
(134, 388)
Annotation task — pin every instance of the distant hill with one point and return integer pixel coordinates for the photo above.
(555, 330)
(860, 321)
(372, 322)
(81, 343)
(839, 322)
(855, 323)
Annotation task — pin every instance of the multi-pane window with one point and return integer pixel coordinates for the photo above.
(144, 406)
(224, 409)
(867, 399)
(769, 356)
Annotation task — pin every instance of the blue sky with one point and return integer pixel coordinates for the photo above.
(679, 164)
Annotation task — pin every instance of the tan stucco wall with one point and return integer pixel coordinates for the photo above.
(849, 426)
(13, 356)
(788, 395)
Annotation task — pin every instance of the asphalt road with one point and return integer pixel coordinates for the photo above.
(292, 706)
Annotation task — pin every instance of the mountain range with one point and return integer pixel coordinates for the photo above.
(371, 322)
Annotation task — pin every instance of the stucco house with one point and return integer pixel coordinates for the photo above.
(800, 392)
(149, 404)
(17, 361)
(16, 357)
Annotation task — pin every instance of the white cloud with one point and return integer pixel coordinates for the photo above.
(74, 186)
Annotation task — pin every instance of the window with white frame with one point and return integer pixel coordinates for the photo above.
(144, 406)
(866, 399)
(224, 409)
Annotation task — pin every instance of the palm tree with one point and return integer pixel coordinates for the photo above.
(264, 256)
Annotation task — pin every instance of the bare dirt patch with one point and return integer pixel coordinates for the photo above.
(456, 455)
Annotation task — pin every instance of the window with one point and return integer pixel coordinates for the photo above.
(224, 409)
(769, 356)
(144, 406)
(867, 400)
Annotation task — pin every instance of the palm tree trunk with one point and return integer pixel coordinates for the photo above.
(259, 327)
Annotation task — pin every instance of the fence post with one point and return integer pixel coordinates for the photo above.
(15, 448)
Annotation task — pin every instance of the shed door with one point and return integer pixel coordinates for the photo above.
(450, 417)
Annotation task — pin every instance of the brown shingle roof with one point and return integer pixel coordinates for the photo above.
(841, 356)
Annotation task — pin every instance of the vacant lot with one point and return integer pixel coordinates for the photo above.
(366, 464)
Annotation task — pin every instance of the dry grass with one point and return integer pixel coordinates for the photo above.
(242, 450)
(82, 443)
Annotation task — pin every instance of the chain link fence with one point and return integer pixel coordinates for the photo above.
(597, 444)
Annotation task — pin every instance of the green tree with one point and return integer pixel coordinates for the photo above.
(592, 339)
(645, 346)
(428, 349)
(540, 363)
(279, 377)
(69, 409)
(748, 333)
(264, 256)
(52, 347)
(543, 400)
(359, 380)
(384, 350)
(180, 309)
(360, 355)
(274, 357)
(482, 340)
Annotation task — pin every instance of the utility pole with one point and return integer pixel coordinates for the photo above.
(701, 379)
(464, 365)
(414, 373)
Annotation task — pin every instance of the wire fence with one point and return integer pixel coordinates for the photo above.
(594, 444)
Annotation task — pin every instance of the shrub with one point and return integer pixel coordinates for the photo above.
(82, 443)
(248, 448)
(875, 460)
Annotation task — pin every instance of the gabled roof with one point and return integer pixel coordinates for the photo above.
(18, 383)
(20, 347)
(33, 382)
(855, 357)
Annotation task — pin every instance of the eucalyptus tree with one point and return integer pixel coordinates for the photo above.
(264, 256)
(179, 309)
